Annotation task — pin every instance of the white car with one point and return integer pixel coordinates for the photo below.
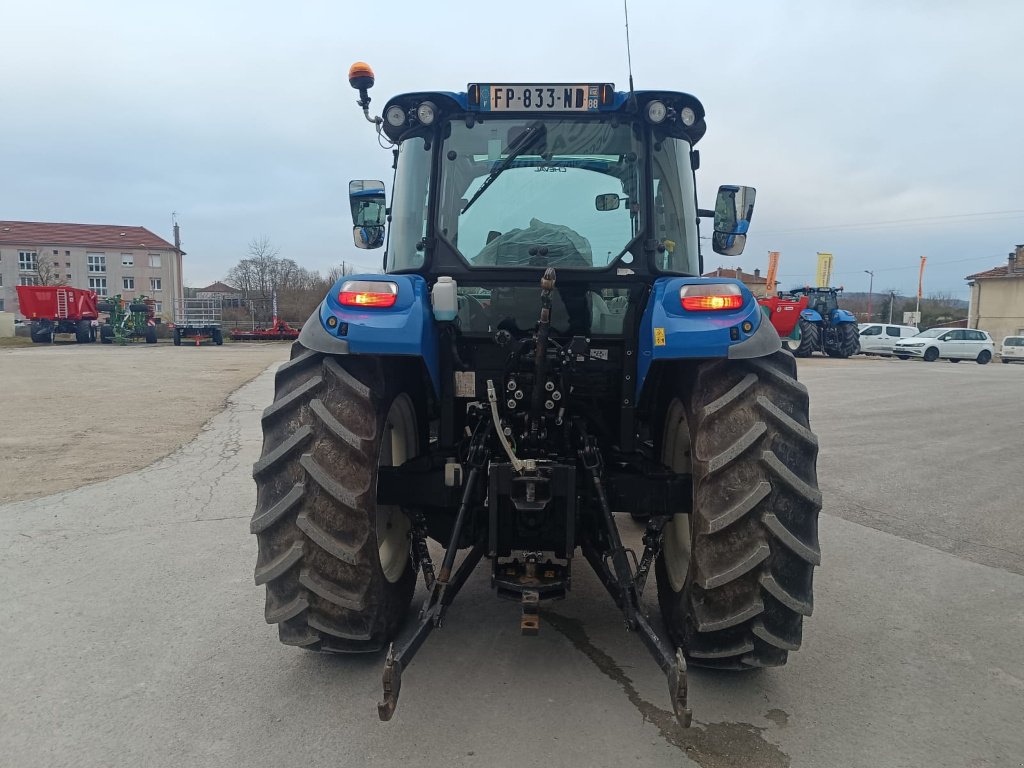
(879, 338)
(1013, 349)
(953, 344)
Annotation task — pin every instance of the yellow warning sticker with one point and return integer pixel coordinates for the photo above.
(659, 337)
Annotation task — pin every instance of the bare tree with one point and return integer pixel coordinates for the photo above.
(264, 274)
(47, 269)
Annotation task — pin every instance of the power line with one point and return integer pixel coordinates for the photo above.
(979, 216)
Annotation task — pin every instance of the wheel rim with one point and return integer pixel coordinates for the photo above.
(791, 344)
(398, 444)
(675, 454)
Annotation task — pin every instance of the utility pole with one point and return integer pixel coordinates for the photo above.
(871, 291)
(892, 300)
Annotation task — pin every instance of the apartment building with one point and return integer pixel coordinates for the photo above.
(130, 261)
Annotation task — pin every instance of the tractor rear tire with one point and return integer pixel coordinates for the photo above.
(217, 336)
(150, 334)
(337, 567)
(83, 332)
(810, 339)
(741, 427)
(849, 340)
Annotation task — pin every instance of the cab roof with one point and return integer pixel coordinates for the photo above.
(474, 102)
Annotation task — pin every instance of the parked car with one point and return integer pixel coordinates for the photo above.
(953, 344)
(1013, 349)
(879, 338)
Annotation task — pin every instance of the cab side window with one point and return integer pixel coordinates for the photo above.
(892, 330)
(874, 330)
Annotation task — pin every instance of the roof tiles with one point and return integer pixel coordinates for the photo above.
(34, 233)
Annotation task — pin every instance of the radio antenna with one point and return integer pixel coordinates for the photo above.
(629, 56)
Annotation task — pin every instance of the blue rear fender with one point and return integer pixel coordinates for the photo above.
(810, 316)
(840, 316)
(405, 329)
(669, 332)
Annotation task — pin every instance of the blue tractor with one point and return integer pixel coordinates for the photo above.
(823, 326)
(540, 359)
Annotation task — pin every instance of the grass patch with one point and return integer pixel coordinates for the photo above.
(16, 341)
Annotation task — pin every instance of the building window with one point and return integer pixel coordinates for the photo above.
(158, 307)
(1, 305)
(155, 284)
(27, 262)
(68, 276)
(55, 252)
(128, 283)
(67, 264)
(1, 279)
(97, 262)
(127, 260)
(154, 260)
(98, 284)
(28, 280)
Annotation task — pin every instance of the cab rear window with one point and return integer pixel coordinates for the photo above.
(1014, 341)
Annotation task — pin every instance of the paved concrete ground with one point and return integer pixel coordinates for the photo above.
(133, 636)
(77, 413)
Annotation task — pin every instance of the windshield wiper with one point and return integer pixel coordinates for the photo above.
(522, 143)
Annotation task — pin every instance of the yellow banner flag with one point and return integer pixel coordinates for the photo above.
(920, 277)
(824, 277)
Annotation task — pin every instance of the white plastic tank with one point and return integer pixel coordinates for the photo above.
(444, 297)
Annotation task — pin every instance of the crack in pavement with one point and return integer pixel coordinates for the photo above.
(710, 745)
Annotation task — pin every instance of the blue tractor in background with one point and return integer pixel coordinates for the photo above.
(823, 326)
(540, 359)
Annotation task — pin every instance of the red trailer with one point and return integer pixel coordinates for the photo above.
(57, 309)
(784, 311)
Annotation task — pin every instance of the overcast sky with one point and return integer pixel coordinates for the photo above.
(237, 115)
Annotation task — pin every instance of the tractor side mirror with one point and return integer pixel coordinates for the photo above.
(369, 212)
(609, 202)
(734, 208)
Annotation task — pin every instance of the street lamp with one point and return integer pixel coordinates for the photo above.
(871, 290)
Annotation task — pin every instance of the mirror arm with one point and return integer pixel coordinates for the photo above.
(704, 213)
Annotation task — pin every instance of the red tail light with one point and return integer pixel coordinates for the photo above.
(710, 297)
(712, 303)
(368, 293)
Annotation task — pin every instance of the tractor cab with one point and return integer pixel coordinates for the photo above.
(824, 301)
(495, 184)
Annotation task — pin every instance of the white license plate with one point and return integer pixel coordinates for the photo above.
(540, 98)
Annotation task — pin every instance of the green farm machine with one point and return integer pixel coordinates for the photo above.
(127, 320)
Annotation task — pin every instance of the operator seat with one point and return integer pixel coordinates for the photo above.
(517, 308)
